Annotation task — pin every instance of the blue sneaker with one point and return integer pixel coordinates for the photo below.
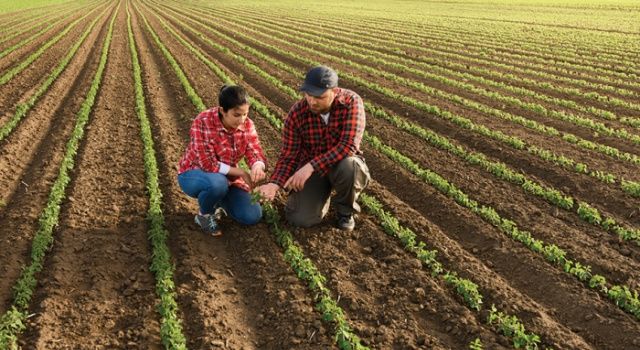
(208, 224)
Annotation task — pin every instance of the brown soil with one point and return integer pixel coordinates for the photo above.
(566, 284)
(442, 45)
(24, 84)
(236, 291)
(581, 186)
(583, 132)
(96, 289)
(33, 152)
(417, 55)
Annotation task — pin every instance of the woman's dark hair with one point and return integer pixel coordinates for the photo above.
(232, 96)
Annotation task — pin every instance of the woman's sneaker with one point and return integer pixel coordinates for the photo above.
(208, 224)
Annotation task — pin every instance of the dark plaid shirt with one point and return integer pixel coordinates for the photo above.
(211, 144)
(306, 137)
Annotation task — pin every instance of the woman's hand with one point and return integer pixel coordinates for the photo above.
(239, 172)
(257, 172)
(247, 178)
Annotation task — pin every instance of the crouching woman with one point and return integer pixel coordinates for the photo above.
(220, 138)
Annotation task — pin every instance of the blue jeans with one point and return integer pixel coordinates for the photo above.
(213, 191)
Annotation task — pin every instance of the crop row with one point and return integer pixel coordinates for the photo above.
(45, 18)
(631, 188)
(13, 321)
(430, 63)
(565, 38)
(437, 33)
(584, 210)
(38, 34)
(396, 38)
(466, 292)
(34, 56)
(23, 108)
(619, 294)
(161, 265)
(490, 50)
(400, 44)
(307, 46)
(262, 40)
(369, 57)
(303, 267)
(467, 289)
(510, 326)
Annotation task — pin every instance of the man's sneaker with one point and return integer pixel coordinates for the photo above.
(208, 223)
(346, 222)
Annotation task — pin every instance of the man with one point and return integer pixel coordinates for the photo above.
(321, 152)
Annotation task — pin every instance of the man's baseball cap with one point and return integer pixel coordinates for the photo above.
(318, 80)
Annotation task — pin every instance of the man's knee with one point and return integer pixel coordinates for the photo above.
(351, 171)
(301, 219)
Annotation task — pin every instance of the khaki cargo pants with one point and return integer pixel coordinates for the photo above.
(309, 206)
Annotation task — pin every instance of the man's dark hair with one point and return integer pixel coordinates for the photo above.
(232, 96)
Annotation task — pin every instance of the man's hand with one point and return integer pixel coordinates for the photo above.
(296, 182)
(257, 172)
(268, 191)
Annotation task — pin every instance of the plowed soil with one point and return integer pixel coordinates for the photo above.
(96, 290)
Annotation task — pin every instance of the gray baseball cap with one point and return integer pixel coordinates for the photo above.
(318, 80)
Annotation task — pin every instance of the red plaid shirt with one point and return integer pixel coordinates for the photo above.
(211, 143)
(306, 137)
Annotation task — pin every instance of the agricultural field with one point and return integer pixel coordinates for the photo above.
(503, 139)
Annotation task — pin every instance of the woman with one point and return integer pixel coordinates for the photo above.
(220, 138)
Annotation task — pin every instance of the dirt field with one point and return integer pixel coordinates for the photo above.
(95, 288)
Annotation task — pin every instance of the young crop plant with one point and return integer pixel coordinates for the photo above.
(626, 299)
(589, 213)
(476, 344)
(511, 327)
(466, 288)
